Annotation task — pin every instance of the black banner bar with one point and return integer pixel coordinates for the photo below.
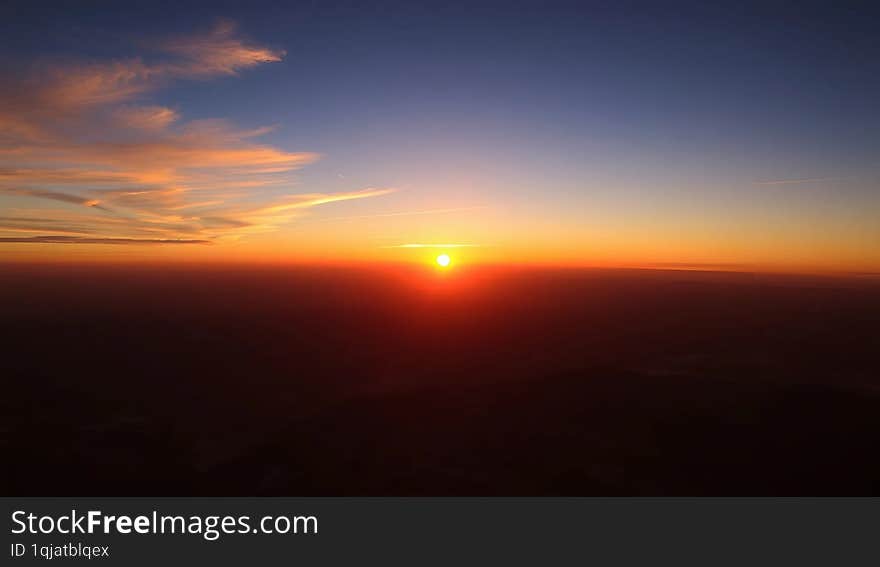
(408, 531)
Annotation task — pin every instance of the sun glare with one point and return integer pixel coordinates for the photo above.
(443, 260)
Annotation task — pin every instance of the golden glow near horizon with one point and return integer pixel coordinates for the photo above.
(93, 168)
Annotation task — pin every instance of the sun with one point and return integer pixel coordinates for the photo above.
(443, 260)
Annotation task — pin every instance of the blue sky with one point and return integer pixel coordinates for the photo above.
(758, 118)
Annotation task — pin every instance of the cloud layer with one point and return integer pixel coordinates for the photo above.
(85, 158)
(796, 181)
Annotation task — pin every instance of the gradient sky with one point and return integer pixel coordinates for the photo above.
(620, 134)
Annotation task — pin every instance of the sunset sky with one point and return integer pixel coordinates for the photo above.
(608, 134)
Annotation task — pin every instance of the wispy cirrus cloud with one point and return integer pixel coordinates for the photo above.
(795, 181)
(55, 196)
(81, 142)
(85, 240)
(418, 212)
(218, 53)
(150, 118)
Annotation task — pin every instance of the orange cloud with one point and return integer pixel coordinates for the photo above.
(218, 53)
(86, 240)
(81, 137)
(152, 118)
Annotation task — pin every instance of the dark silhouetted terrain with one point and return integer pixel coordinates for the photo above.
(331, 381)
